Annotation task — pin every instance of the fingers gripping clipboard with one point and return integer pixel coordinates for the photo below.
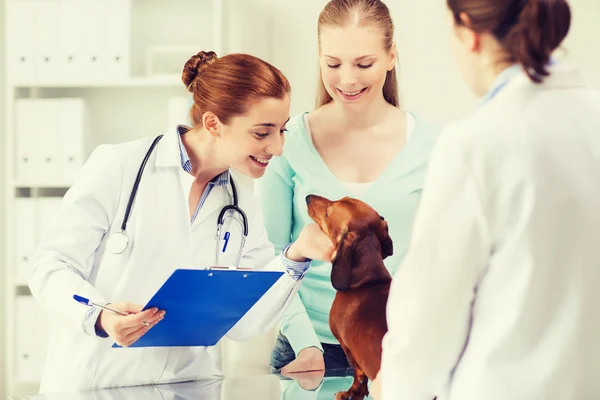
(203, 305)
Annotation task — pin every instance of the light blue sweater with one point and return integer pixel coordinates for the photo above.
(300, 171)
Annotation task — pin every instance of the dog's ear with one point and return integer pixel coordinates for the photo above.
(387, 246)
(342, 262)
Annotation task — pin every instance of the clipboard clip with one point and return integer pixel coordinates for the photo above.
(231, 268)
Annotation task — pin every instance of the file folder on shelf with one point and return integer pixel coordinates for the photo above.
(203, 305)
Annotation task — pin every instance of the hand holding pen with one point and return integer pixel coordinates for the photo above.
(125, 322)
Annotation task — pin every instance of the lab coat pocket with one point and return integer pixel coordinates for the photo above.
(229, 243)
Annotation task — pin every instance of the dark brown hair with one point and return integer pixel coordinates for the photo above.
(227, 86)
(342, 13)
(529, 30)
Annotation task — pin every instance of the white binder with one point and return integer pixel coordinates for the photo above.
(95, 31)
(28, 159)
(47, 38)
(32, 337)
(25, 229)
(73, 132)
(48, 141)
(71, 41)
(21, 52)
(117, 23)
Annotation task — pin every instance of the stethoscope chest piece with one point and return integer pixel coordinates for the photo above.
(117, 242)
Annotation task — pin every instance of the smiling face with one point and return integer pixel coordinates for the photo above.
(249, 141)
(354, 64)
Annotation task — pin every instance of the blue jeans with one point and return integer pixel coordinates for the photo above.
(336, 362)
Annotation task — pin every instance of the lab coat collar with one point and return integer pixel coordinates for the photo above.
(561, 76)
(167, 150)
(502, 80)
(168, 155)
(217, 198)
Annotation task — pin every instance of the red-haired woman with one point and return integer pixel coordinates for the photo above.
(180, 182)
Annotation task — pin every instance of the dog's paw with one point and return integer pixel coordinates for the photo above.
(343, 396)
(347, 396)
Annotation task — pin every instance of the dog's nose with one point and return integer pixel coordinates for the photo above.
(309, 198)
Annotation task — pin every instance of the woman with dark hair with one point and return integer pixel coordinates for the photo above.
(497, 297)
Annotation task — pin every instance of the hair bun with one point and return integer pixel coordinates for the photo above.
(195, 66)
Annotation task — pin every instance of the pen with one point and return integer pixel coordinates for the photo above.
(226, 240)
(88, 302)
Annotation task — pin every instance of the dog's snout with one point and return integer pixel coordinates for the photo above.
(309, 198)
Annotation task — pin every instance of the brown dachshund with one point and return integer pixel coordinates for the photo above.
(357, 318)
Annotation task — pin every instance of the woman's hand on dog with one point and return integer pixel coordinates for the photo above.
(126, 330)
(312, 244)
(309, 359)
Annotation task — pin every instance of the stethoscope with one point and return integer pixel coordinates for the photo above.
(117, 242)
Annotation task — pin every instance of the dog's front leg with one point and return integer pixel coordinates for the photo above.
(359, 389)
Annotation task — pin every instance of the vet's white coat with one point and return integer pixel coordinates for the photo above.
(72, 260)
(498, 295)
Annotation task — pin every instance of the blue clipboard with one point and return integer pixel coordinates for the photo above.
(203, 305)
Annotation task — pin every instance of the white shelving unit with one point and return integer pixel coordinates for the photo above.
(126, 105)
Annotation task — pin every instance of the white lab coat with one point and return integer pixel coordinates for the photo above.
(72, 259)
(500, 285)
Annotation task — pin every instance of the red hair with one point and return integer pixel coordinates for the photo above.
(227, 86)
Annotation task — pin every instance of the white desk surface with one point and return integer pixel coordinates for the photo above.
(260, 387)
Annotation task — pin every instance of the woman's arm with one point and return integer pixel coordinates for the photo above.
(276, 192)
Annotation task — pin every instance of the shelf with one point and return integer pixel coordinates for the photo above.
(159, 81)
(26, 388)
(121, 105)
(41, 185)
(28, 382)
(21, 285)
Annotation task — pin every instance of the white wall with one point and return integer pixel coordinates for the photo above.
(581, 45)
(2, 194)
(430, 83)
(430, 80)
(295, 49)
